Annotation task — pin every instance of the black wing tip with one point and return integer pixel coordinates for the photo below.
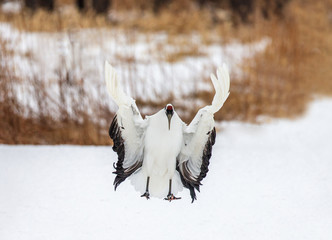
(193, 196)
(193, 185)
(116, 184)
(213, 136)
(207, 153)
(119, 147)
(113, 127)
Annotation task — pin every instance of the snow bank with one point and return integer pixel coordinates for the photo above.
(11, 7)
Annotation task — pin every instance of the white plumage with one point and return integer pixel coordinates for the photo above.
(160, 153)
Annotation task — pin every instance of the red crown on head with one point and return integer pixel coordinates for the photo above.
(169, 107)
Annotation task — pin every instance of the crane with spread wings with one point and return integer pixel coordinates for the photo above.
(160, 154)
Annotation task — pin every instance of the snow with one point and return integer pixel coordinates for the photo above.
(11, 7)
(270, 181)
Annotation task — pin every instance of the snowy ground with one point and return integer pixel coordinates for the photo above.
(272, 181)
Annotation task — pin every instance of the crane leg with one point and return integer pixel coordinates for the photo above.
(170, 195)
(147, 194)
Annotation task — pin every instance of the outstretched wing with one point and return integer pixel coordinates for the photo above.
(127, 129)
(199, 137)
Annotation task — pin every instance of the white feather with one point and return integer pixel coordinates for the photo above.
(196, 134)
(114, 88)
(161, 148)
(221, 86)
(129, 118)
(159, 145)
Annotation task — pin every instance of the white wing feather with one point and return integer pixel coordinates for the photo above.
(200, 134)
(127, 129)
(221, 86)
(114, 88)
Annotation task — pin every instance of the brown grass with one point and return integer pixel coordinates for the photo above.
(22, 125)
(43, 21)
(295, 66)
(272, 84)
(70, 18)
(314, 21)
(277, 82)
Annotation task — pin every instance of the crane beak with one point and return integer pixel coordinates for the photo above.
(169, 117)
(169, 113)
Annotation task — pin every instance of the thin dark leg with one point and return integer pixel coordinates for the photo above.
(147, 194)
(147, 184)
(170, 187)
(170, 195)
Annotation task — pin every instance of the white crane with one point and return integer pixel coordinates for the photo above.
(160, 153)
